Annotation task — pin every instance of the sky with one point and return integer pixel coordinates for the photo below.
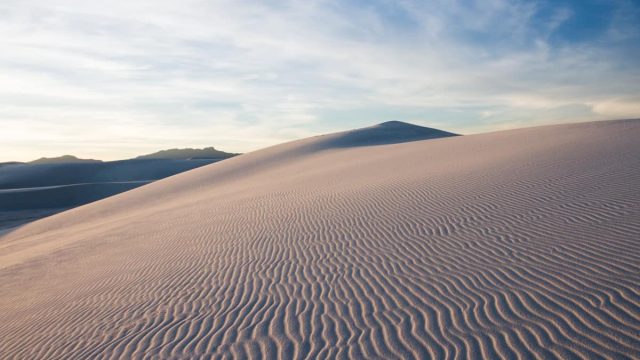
(115, 79)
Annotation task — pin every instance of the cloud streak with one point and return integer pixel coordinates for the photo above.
(111, 81)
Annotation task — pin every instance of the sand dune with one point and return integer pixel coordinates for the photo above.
(62, 196)
(514, 244)
(47, 186)
(39, 175)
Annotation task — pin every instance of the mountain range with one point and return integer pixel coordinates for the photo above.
(47, 186)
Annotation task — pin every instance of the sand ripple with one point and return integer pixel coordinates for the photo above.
(517, 244)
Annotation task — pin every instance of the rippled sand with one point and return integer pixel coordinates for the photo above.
(513, 244)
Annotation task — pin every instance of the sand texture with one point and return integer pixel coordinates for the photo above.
(514, 244)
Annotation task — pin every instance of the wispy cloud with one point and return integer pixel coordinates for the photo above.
(111, 80)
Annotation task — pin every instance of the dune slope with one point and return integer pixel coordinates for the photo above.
(521, 243)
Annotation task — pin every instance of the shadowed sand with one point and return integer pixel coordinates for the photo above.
(514, 244)
(47, 186)
(39, 175)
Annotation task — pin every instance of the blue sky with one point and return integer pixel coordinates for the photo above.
(115, 79)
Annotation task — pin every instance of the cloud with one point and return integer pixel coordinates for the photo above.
(113, 80)
(618, 108)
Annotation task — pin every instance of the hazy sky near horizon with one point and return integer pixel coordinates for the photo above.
(115, 79)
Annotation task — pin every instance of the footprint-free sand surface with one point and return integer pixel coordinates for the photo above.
(514, 244)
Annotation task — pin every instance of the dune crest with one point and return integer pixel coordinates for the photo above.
(390, 132)
(513, 244)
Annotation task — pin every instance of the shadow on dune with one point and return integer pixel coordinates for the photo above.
(38, 175)
(64, 196)
(390, 132)
(387, 133)
(32, 191)
(13, 220)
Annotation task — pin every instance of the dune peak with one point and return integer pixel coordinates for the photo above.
(396, 123)
(388, 132)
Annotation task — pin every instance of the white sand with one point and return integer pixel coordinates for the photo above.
(522, 243)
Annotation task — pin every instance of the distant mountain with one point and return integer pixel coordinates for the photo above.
(209, 153)
(43, 187)
(64, 159)
(187, 154)
(10, 163)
